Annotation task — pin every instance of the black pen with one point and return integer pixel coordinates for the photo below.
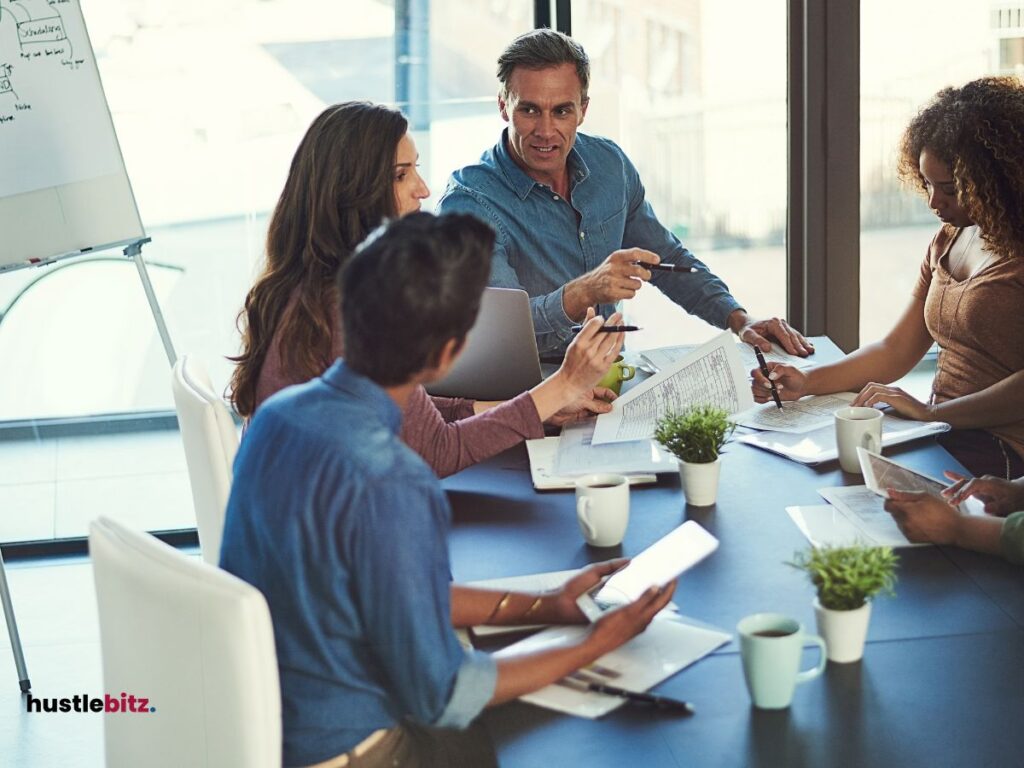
(610, 328)
(767, 375)
(660, 702)
(666, 267)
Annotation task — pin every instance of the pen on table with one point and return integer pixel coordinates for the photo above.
(665, 267)
(660, 702)
(767, 375)
(610, 328)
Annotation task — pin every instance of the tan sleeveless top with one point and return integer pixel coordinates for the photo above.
(978, 324)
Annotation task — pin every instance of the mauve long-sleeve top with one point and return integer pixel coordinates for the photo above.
(443, 430)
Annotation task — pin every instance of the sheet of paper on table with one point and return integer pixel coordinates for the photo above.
(863, 509)
(663, 357)
(577, 455)
(819, 445)
(664, 648)
(712, 374)
(542, 453)
(796, 416)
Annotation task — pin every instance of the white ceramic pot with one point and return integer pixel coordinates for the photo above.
(844, 631)
(700, 482)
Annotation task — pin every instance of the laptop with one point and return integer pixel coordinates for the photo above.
(500, 358)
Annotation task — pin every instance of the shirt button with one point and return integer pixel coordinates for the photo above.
(554, 197)
(582, 235)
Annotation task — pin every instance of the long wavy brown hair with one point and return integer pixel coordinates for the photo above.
(978, 130)
(339, 188)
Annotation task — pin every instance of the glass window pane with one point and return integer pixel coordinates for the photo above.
(899, 74)
(706, 129)
(209, 100)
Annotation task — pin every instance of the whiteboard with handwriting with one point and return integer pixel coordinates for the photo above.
(63, 184)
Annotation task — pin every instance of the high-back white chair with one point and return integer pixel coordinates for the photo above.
(194, 640)
(211, 442)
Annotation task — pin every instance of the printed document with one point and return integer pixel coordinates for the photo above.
(712, 374)
(663, 357)
(577, 455)
(797, 416)
(864, 510)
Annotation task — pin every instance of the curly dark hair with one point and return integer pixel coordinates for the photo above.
(978, 130)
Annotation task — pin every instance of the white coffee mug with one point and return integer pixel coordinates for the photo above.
(602, 508)
(857, 428)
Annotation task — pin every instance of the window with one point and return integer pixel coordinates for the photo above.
(707, 130)
(900, 72)
(209, 101)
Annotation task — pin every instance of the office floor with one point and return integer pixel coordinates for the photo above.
(55, 606)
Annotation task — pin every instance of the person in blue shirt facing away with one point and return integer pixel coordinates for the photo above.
(569, 209)
(344, 529)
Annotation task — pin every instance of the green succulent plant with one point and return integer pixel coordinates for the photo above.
(846, 577)
(696, 435)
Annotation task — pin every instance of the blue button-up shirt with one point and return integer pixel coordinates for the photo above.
(344, 530)
(544, 241)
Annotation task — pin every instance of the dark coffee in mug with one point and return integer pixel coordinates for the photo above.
(773, 633)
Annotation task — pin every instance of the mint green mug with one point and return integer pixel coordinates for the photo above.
(770, 646)
(618, 373)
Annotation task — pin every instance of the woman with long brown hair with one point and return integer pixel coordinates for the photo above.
(354, 168)
(965, 152)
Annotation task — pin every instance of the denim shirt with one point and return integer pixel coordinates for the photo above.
(344, 530)
(544, 242)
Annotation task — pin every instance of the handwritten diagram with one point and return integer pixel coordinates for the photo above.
(30, 30)
(55, 126)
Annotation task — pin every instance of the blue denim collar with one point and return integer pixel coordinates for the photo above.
(517, 178)
(356, 386)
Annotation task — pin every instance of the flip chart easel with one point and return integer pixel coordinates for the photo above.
(64, 188)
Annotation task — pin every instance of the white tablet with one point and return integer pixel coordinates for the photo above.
(659, 564)
(881, 473)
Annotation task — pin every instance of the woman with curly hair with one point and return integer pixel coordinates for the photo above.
(965, 152)
(355, 167)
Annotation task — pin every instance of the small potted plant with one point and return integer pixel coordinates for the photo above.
(846, 578)
(696, 437)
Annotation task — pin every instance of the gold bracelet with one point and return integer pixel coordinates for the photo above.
(502, 604)
(534, 607)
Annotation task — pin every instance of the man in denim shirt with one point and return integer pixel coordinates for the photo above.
(343, 528)
(569, 209)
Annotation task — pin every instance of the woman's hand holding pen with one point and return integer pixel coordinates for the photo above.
(572, 393)
(790, 382)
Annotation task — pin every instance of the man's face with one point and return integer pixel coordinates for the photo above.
(543, 108)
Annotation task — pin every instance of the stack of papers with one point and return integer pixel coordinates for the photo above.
(819, 445)
(543, 454)
(664, 648)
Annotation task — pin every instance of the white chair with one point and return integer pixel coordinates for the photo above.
(211, 442)
(194, 640)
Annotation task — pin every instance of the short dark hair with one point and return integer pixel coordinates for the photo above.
(412, 286)
(541, 48)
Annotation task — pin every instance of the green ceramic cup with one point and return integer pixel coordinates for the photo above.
(770, 646)
(618, 373)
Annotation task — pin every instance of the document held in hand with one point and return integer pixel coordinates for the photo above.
(713, 374)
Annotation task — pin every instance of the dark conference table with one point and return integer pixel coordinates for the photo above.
(941, 682)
